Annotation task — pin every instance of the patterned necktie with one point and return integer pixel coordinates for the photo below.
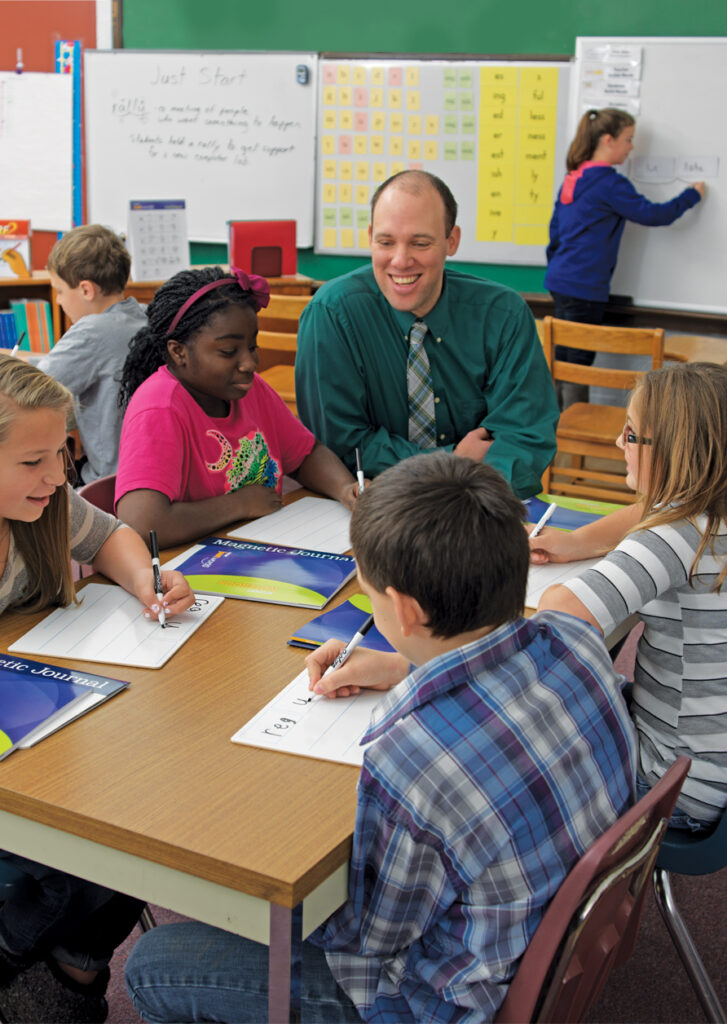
(422, 427)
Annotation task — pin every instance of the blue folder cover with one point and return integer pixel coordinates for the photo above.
(340, 624)
(265, 572)
(570, 513)
(36, 696)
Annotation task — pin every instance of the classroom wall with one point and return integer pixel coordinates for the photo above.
(475, 26)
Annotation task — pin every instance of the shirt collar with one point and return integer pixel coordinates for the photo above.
(447, 671)
(437, 319)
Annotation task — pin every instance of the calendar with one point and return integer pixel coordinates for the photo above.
(157, 238)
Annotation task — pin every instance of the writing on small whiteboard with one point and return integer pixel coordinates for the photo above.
(297, 722)
(318, 524)
(540, 577)
(108, 626)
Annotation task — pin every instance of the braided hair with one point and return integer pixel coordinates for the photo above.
(148, 347)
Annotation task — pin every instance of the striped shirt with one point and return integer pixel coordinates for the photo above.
(494, 767)
(680, 677)
(89, 529)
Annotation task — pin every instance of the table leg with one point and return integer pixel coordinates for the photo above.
(284, 964)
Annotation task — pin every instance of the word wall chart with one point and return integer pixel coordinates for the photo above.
(494, 132)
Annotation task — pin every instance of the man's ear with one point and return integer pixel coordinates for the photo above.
(453, 241)
(408, 611)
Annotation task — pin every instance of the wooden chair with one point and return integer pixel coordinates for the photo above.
(586, 430)
(277, 364)
(282, 313)
(592, 921)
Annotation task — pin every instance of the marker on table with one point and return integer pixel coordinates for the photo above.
(17, 345)
(347, 651)
(359, 475)
(543, 519)
(157, 575)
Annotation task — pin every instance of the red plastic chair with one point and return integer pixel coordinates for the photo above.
(592, 921)
(100, 492)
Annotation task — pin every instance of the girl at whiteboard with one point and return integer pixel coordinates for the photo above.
(205, 441)
(591, 210)
(666, 559)
(58, 933)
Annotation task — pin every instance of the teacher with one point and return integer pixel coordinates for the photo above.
(406, 356)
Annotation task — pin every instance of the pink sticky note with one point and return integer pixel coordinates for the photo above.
(394, 76)
(360, 121)
(344, 144)
(329, 74)
(360, 96)
(415, 165)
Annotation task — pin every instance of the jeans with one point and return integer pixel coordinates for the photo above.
(194, 972)
(77, 922)
(583, 311)
(679, 819)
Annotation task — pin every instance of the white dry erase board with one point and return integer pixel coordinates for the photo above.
(494, 130)
(233, 134)
(677, 95)
(36, 149)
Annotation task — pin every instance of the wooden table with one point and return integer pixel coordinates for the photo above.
(148, 795)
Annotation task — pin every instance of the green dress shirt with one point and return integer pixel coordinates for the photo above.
(487, 366)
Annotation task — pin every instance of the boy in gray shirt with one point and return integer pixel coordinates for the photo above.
(89, 268)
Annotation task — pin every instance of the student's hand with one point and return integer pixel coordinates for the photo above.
(552, 545)
(700, 187)
(349, 494)
(475, 444)
(176, 592)
(373, 670)
(254, 500)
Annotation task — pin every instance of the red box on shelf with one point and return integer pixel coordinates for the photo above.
(264, 247)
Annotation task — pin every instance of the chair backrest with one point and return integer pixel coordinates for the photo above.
(592, 921)
(282, 313)
(597, 338)
(275, 348)
(100, 492)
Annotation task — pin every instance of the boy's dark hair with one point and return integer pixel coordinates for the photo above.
(148, 347)
(415, 182)
(91, 253)
(448, 532)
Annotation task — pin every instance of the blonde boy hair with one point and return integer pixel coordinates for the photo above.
(91, 253)
(44, 544)
(683, 409)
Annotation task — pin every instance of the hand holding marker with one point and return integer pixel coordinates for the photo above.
(359, 474)
(347, 651)
(157, 576)
(543, 519)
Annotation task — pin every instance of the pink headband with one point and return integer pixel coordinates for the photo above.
(257, 286)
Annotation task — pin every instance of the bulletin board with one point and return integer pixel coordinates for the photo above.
(495, 131)
(233, 134)
(675, 88)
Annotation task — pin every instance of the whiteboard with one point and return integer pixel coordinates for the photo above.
(678, 100)
(232, 134)
(494, 131)
(36, 149)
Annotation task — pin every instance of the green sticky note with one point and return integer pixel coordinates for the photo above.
(450, 99)
(362, 218)
(450, 78)
(450, 150)
(451, 124)
(466, 101)
(346, 217)
(329, 216)
(467, 150)
(465, 78)
(469, 124)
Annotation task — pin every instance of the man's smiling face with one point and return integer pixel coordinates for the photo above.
(409, 246)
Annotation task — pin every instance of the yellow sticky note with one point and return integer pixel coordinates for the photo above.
(394, 99)
(414, 149)
(412, 99)
(344, 193)
(378, 75)
(411, 76)
(345, 120)
(414, 124)
(329, 120)
(329, 193)
(329, 96)
(379, 171)
(431, 150)
(363, 238)
(396, 145)
(328, 145)
(346, 238)
(396, 123)
(329, 238)
(499, 76)
(531, 235)
(539, 86)
(378, 122)
(376, 98)
(360, 144)
(344, 74)
(362, 194)
(345, 170)
(396, 167)
(329, 169)
(345, 96)
(431, 124)
(359, 75)
(362, 170)
(377, 145)
(531, 213)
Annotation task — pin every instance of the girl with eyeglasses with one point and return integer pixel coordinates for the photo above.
(666, 560)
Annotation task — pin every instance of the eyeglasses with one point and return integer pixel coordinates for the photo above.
(629, 437)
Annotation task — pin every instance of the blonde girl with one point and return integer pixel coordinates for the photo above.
(668, 563)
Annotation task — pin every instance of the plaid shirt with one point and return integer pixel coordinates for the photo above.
(495, 766)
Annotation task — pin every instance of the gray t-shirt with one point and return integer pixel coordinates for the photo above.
(680, 678)
(89, 529)
(89, 359)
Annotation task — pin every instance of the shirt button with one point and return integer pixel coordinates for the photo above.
(438, 340)
(442, 437)
(436, 401)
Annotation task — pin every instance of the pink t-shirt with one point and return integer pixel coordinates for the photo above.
(169, 444)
